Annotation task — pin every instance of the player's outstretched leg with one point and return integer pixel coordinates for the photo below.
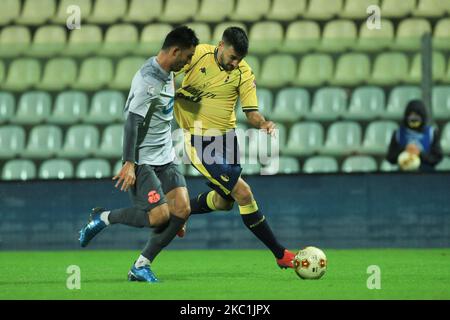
(94, 226)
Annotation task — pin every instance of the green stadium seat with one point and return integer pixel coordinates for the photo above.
(84, 42)
(444, 165)
(10, 11)
(378, 136)
(397, 9)
(291, 105)
(202, 31)
(176, 11)
(81, 141)
(277, 70)
(283, 165)
(440, 102)
(48, 41)
(314, 70)
(301, 36)
(250, 10)
(61, 14)
(23, 73)
(151, 38)
(208, 10)
(120, 39)
(7, 106)
(56, 169)
(106, 107)
(409, 33)
(263, 145)
(143, 11)
(254, 64)
(445, 139)
(93, 169)
(108, 11)
(445, 5)
(34, 107)
(12, 141)
(446, 78)
(286, 10)
(118, 166)
(386, 166)
(338, 35)
(373, 40)
(357, 9)
(328, 104)
(125, 71)
(389, 68)
(59, 73)
(111, 143)
(347, 74)
(220, 28)
(305, 138)
(323, 9)
(14, 40)
(265, 37)
(36, 12)
(70, 108)
(438, 68)
(44, 141)
(398, 99)
(95, 73)
(359, 164)
(320, 164)
(343, 138)
(19, 170)
(429, 9)
(366, 103)
(265, 102)
(2, 71)
(441, 35)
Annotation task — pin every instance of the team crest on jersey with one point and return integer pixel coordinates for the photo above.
(151, 90)
(203, 70)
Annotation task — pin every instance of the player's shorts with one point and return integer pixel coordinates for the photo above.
(153, 182)
(217, 159)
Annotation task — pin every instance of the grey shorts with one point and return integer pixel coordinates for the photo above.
(153, 182)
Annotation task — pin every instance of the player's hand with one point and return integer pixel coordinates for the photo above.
(126, 176)
(413, 149)
(269, 126)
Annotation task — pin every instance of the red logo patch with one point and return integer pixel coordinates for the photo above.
(153, 196)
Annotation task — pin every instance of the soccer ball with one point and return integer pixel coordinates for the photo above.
(310, 263)
(408, 161)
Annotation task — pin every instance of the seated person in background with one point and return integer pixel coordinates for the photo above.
(415, 145)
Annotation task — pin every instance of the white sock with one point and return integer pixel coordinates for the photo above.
(104, 217)
(141, 261)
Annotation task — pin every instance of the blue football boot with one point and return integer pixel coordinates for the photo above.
(93, 227)
(144, 274)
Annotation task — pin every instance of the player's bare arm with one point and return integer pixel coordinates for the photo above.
(257, 120)
(126, 176)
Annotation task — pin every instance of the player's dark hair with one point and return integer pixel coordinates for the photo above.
(182, 37)
(237, 38)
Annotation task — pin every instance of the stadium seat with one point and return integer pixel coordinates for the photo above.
(397, 9)
(445, 139)
(120, 39)
(347, 74)
(254, 64)
(359, 164)
(398, 99)
(220, 28)
(323, 9)
(34, 107)
(409, 33)
(378, 136)
(261, 145)
(48, 41)
(84, 42)
(286, 10)
(366, 103)
(208, 10)
(314, 70)
(63, 11)
(81, 141)
(429, 9)
(343, 138)
(70, 108)
(440, 102)
(59, 73)
(445, 5)
(93, 168)
(14, 40)
(283, 165)
(56, 169)
(151, 40)
(357, 9)
(291, 104)
(438, 68)
(386, 166)
(111, 142)
(441, 35)
(12, 141)
(320, 164)
(265, 102)
(338, 35)
(107, 11)
(447, 74)
(265, 37)
(328, 104)
(143, 11)
(10, 11)
(23, 73)
(118, 166)
(125, 71)
(305, 138)
(277, 70)
(301, 36)
(250, 10)
(444, 165)
(2, 71)
(36, 12)
(7, 106)
(389, 69)
(177, 11)
(95, 73)
(19, 170)
(373, 40)
(202, 31)
(106, 107)
(44, 142)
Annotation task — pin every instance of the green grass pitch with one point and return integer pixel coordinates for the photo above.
(225, 274)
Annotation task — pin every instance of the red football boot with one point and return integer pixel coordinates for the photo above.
(287, 260)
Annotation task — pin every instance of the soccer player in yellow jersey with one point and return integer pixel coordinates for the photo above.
(204, 107)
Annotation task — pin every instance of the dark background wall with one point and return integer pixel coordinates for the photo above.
(330, 211)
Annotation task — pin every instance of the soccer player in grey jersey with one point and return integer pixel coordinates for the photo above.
(157, 188)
